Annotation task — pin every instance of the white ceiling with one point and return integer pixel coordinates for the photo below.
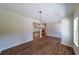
(50, 11)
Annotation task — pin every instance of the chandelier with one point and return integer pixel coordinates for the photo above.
(40, 27)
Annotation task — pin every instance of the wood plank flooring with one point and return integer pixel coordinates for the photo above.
(44, 46)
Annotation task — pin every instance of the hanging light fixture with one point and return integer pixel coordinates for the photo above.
(40, 25)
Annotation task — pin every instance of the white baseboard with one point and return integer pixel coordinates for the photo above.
(15, 45)
(53, 36)
(67, 44)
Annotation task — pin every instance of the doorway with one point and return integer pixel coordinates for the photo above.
(36, 30)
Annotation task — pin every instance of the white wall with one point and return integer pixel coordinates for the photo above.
(54, 29)
(16, 29)
(67, 31)
(62, 29)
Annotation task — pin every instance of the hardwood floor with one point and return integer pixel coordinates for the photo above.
(44, 46)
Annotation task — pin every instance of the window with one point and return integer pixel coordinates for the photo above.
(76, 31)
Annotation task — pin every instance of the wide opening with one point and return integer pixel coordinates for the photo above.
(36, 30)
